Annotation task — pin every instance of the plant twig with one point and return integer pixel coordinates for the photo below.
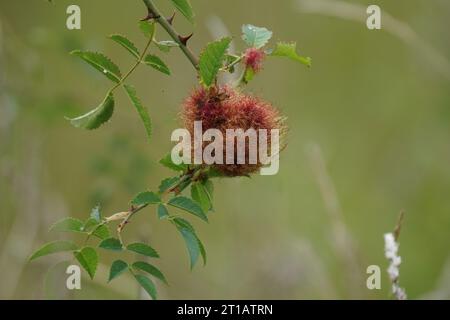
(398, 227)
(154, 13)
(126, 216)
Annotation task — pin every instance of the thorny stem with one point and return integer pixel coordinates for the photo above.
(154, 13)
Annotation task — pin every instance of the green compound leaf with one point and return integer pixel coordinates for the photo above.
(68, 225)
(147, 28)
(117, 268)
(185, 8)
(168, 163)
(211, 60)
(147, 284)
(111, 244)
(143, 249)
(156, 63)
(126, 43)
(96, 117)
(163, 213)
(53, 247)
(289, 50)
(100, 62)
(255, 37)
(142, 111)
(150, 269)
(88, 259)
(200, 194)
(193, 244)
(146, 197)
(188, 205)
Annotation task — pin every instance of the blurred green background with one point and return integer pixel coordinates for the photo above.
(369, 136)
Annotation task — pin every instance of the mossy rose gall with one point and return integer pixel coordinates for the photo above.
(251, 128)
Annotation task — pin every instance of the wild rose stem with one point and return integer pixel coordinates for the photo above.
(154, 13)
(128, 215)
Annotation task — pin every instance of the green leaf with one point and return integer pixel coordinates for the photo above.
(146, 197)
(211, 60)
(117, 268)
(143, 112)
(209, 186)
(147, 28)
(53, 247)
(90, 224)
(168, 183)
(166, 45)
(163, 213)
(95, 214)
(143, 249)
(88, 259)
(146, 267)
(255, 37)
(188, 205)
(102, 232)
(289, 50)
(168, 163)
(249, 74)
(202, 250)
(68, 225)
(96, 117)
(200, 195)
(183, 185)
(194, 246)
(156, 63)
(111, 244)
(100, 62)
(185, 8)
(126, 43)
(147, 284)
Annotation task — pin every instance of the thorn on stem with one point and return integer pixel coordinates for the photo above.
(151, 15)
(170, 19)
(184, 40)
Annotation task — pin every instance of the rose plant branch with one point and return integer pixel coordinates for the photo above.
(126, 216)
(154, 13)
(188, 193)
